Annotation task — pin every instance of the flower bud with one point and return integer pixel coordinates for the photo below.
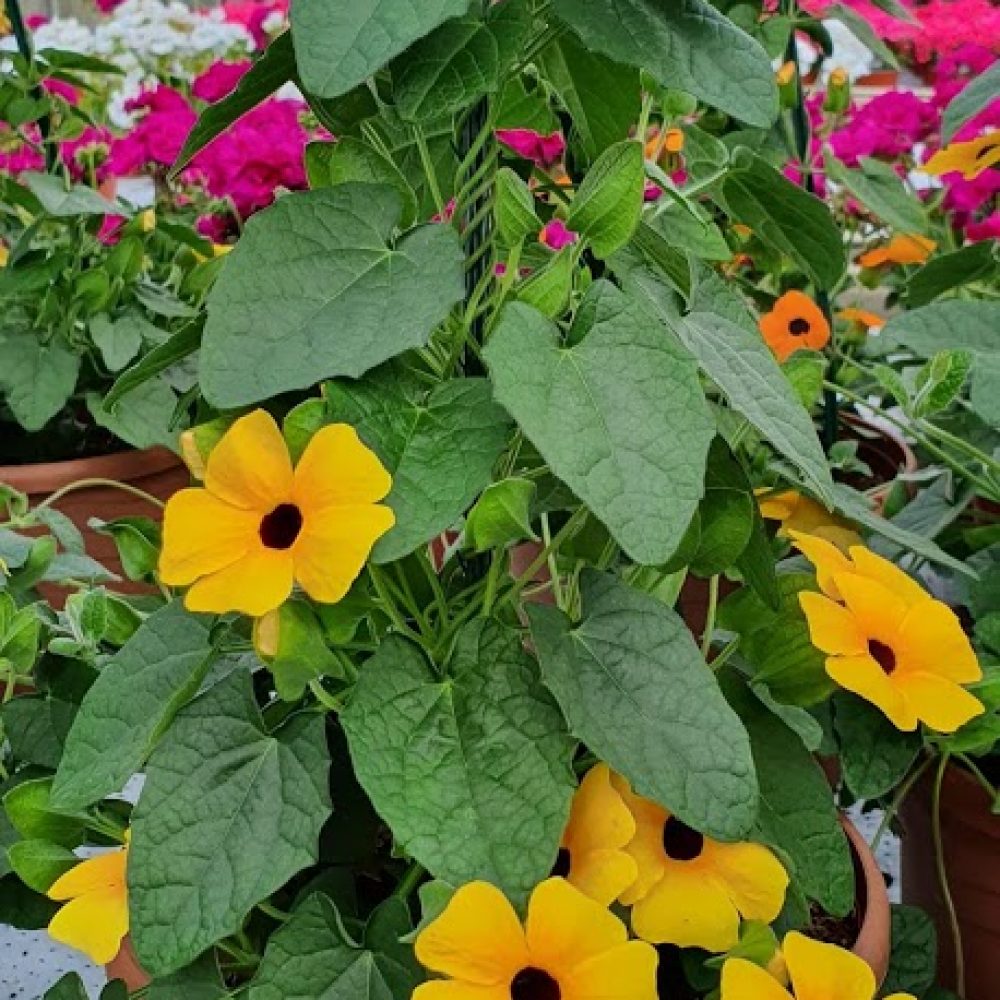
(838, 92)
(787, 79)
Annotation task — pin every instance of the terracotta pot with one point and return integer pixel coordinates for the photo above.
(885, 79)
(874, 943)
(692, 604)
(125, 966)
(156, 471)
(885, 451)
(971, 839)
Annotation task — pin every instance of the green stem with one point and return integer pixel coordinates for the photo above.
(942, 873)
(713, 608)
(411, 880)
(27, 51)
(388, 604)
(557, 590)
(327, 700)
(88, 484)
(566, 531)
(428, 164)
(892, 810)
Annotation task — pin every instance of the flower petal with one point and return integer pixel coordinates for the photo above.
(878, 611)
(872, 565)
(627, 972)
(826, 558)
(565, 928)
(825, 972)
(250, 466)
(203, 534)
(933, 641)
(687, 909)
(940, 703)
(103, 871)
(453, 989)
(333, 546)
(93, 923)
(646, 847)
(337, 470)
(257, 583)
(753, 877)
(603, 875)
(832, 628)
(477, 938)
(742, 980)
(599, 818)
(863, 676)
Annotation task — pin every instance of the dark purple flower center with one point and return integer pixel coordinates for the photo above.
(882, 654)
(534, 984)
(799, 327)
(561, 869)
(681, 842)
(280, 528)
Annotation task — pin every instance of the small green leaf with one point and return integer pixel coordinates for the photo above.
(874, 754)
(339, 46)
(137, 540)
(879, 188)
(636, 690)
(640, 424)
(459, 62)
(36, 378)
(314, 956)
(939, 382)
(229, 813)
(943, 272)
(502, 515)
(690, 46)
(38, 863)
(131, 704)
(913, 956)
(302, 654)
(440, 446)
(786, 217)
(64, 201)
(516, 218)
(472, 771)
(608, 204)
(548, 289)
(318, 287)
(975, 97)
(118, 341)
(31, 812)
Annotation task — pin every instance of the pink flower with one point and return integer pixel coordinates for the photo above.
(110, 232)
(556, 236)
(543, 150)
(219, 80)
(447, 214)
(988, 229)
(216, 228)
(107, 6)
(61, 89)
(652, 191)
(16, 155)
(157, 137)
(35, 21)
(252, 15)
(261, 153)
(969, 197)
(888, 126)
(92, 144)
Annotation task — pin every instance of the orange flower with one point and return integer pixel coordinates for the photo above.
(861, 317)
(795, 323)
(907, 248)
(786, 74)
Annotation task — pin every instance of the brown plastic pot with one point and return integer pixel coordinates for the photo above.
(884, 451)
(970, 836)
(874, 943)
(125, 966)
(156, 471)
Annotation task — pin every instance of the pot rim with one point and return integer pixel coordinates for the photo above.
(124, 466)
(873, 943)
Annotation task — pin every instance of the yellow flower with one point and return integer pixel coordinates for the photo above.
(593, 846)
(818, 972)
(95, 917)
(796, 512)
(969, 159)
(147, 220)
(570, 948)
(691, 891)
(907, 248)
(4, 255)
(888, 640)
(259, 525)
(785, 74)
(5, 27)
(861, 317)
